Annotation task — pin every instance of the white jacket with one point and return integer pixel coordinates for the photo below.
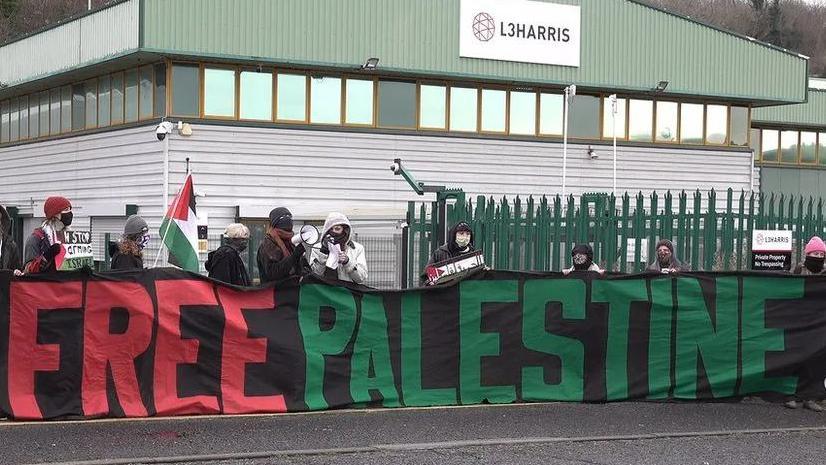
(355, 270)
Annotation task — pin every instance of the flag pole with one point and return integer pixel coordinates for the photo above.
(169, 223)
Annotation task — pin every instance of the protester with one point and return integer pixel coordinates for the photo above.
(225, 263)
(582, 256)
(44, 244)
(459, 242)
(9, 256)
(340, 257)
(278, 257)
(813, 262)
(666, 262)
(127, 254)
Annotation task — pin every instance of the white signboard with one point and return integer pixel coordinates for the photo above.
(771, 241)
(519, 30)
(76, 251)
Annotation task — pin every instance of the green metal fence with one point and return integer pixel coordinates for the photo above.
(538, 234)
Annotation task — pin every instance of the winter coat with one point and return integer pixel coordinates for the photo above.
(125, 256)
(673, 264)
(355, 270)
(9, 255)
(40, 250)
(273, 266)
(225, 265)
(450, 249)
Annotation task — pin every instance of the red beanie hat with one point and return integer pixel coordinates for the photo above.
(55, 205)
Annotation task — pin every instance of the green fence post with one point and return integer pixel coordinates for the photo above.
(740, 227)
(696, 259)
(653, 224)
(517, 243)
(626, 207)
(529, 257)
(682, 225)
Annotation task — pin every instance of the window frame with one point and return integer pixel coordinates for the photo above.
(427, 82)
(236, 91)
(262, 70)
(374, 104)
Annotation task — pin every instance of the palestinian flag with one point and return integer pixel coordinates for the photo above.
(179, 229)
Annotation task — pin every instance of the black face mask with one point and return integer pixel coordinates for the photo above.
(66, 218)
(814, 264)
(240, 244)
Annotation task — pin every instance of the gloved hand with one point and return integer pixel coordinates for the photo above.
(298, 250)
(51, 252)
(325, 244)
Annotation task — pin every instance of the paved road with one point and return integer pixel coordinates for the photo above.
(620, 433)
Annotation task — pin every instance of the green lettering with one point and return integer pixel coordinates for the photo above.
(571, 352)
(659, 339)
(372, 348)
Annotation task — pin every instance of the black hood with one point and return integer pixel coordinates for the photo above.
(219, 254)
(5, 222)
(583, 249)
(451, 237)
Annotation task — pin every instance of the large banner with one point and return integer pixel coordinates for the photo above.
(167, 342)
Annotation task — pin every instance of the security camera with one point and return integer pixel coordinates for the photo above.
(396, 167)
(592, 154)
(163, 129)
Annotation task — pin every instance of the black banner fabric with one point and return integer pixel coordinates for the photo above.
(168, 342)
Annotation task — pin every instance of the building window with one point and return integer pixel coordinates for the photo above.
(770, 142)
(494, 103)
(44, 114)
(358, 97)
(4, 121)
(522, 113)
(755, 144)
(821, 148)
(691, 123)
(613, 124)
(808, 148)
(739, 126)
(117, 98)
(256, 96)
(583, 121)
(91, 88)
(551, 113)
(66, 109)
(24, 117)
(397, 104)
(666, 130)
(14, 121)
(788, 146)
(716, 124)
(219, 92)
(432, 107)
(34, 116)
(325, 100)
(463, 109)
(131, 96)
(641, 120)
(160, 90)
(54, 112)
(186, 90)
(146, 96)
(292, 97)
(104, 101)
(78, 107)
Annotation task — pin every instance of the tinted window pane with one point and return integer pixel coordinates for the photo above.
(493, 110)
(716, 124)
(104, 101)
(159, 105)
(691, 123)
(186, 88)
(821, 148)
(551, 111)
(433, 106)
(14, 121)
(66, 109)
(4, 121)
(523, 113)
(44, 114)
(117, 98)
(34, 116)
(359, 102)
(755, 144)
(146, 97)
(609, 121)
(23, 109)
(463, 109)
(667, 121)
(739, 126)
(583, 121)
(219, 92)
(397, 104)
(292, 97)
(770, 144)
(131, 96)
(788, 146)
(641, 120)
(256, 96)
(91, 88)
(54, 112)
(78, 107)
(325, 100)
(808, 147)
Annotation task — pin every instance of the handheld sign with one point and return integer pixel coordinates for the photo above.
(453, 268)
(76, 251)
(771, 250)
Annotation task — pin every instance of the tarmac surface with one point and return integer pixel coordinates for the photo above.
(636, 433)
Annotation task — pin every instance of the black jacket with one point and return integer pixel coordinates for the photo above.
(9, 255)
(449, 249)
(225, 265)
(122, 259)
(274, 266)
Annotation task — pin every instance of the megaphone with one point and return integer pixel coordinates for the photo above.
(308, 235)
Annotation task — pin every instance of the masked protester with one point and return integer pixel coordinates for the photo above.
(278, 258)
(582, 257)
(459, 242)
(666, 262)
(813, 262)
(45, 242)
(340, 257)
(225, 264)
(127, 254)
(9, 256)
